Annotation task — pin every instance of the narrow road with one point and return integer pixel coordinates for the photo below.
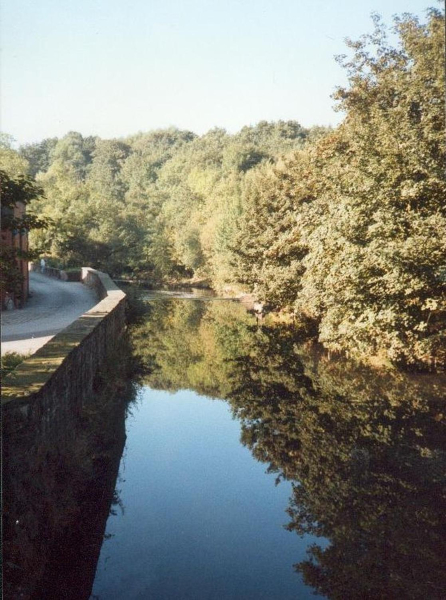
(53, 305)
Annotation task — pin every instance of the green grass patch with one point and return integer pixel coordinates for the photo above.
(10, 360)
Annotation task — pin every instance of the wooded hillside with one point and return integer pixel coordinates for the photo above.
(345, 228)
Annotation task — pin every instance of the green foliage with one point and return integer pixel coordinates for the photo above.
(364, 449)
(268, 245)
(10, 360)
(350, 231)
(10, 161)
(74, 152)
(16, 191)
(374, 266)
(162, 204)
(38, 155)
(203, 187)
(343, 227)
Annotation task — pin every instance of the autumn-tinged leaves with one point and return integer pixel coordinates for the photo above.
(363, 211)
(344, 227)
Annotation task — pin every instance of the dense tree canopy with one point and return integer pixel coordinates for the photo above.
(343, 227)
(350, 232)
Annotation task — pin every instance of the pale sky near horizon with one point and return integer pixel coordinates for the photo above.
(112, 68)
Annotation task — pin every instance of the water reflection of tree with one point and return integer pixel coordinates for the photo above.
(366, 451)
(188, 344)
(369, 461)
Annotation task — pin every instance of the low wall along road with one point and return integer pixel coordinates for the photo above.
(52, 384)
(53, 305)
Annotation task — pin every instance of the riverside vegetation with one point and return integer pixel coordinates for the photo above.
(365, 454)
(342, 227)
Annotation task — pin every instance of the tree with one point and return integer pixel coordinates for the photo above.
(16, 191)
(38, 155)
(74, 151)
(350, 231)
(374, 271)
(10, 161)
(268, 245)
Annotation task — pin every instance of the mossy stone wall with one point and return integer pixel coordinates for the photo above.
(50, 387)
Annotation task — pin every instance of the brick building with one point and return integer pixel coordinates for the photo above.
(18, 240)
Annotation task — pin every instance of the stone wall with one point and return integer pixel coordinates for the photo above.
(70, 275)
(62, 442)
(48, 389)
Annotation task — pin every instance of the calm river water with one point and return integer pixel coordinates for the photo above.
(199, 519)
(246, 466)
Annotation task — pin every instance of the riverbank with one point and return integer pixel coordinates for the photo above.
(59, 490)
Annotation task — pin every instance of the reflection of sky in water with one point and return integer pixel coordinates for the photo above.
(201, 519)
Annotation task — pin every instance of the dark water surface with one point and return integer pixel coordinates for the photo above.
(254, 468)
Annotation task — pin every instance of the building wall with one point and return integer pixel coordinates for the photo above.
(19, 241)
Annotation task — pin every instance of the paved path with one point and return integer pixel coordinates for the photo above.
(53, 305)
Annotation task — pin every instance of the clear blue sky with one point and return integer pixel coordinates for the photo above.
(115, 67)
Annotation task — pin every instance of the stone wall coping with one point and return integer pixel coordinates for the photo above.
(35, 372)
(106, 281)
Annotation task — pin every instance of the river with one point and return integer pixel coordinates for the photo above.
(253, 468)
